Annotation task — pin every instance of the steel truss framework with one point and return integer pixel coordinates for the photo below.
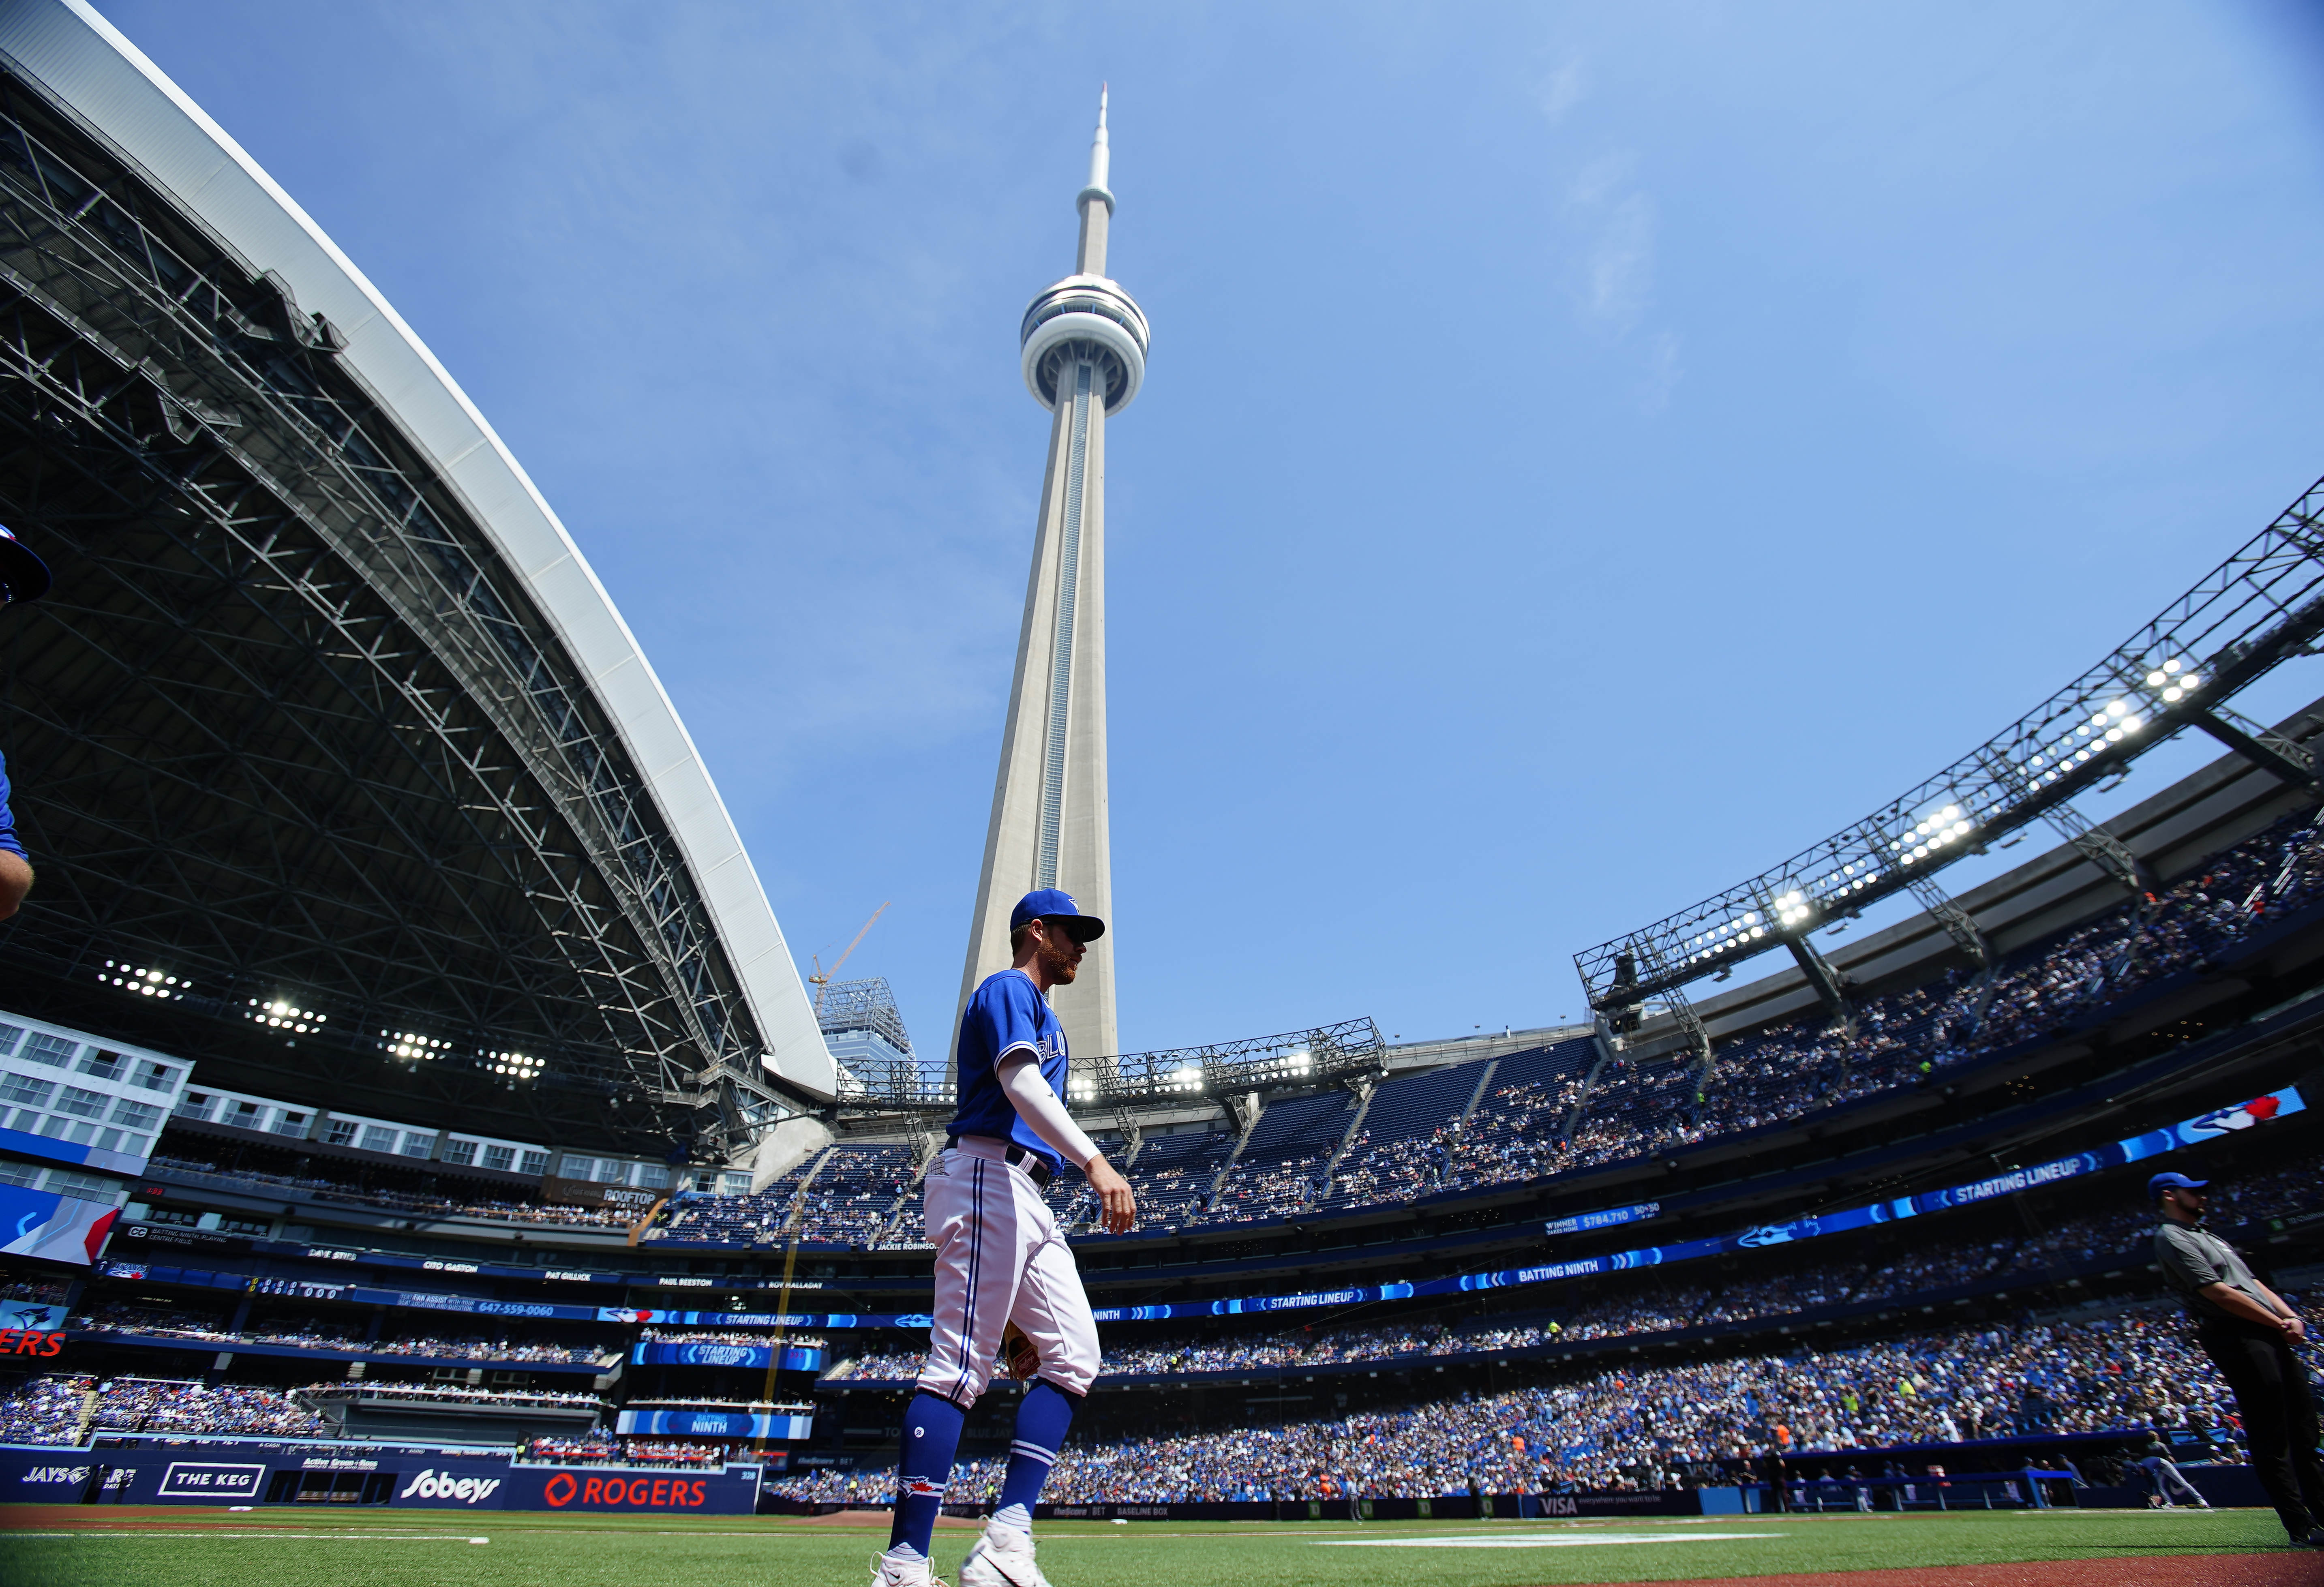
(287, 725)
(1327, 1052)
(2259, 608)
(1218, 1073)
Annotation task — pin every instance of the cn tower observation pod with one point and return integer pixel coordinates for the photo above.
(327, 706)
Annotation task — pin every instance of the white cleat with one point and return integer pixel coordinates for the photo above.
(1002, 1558)
(890, 1572)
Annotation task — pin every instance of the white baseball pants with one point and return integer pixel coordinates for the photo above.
(999, 1259)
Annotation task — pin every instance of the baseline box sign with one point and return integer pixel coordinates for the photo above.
(224, 1470)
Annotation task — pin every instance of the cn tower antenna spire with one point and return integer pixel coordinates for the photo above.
(1096, 222)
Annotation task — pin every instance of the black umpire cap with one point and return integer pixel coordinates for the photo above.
(23, 576)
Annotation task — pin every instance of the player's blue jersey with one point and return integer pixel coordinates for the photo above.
(1007, 1012)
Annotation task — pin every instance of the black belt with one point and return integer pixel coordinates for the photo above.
(1036, 1167)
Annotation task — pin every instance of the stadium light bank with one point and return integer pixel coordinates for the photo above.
(2262, 606)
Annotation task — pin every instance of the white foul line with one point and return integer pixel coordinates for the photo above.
(1571, 1540)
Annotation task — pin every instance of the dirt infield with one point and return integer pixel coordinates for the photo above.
(2284, 1567)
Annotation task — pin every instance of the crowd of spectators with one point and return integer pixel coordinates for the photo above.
(1635, 1108)
(325, 1334)
(157, 1405)
(1801, 1280)
(864, 1195)
(760, 1336)
(451, 1394)
(45, 1409)
(405, 1201)
(843, 1195)
(1644, 1426)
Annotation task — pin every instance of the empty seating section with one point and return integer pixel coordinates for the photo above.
(1277, 1171)
(1400, 1151)
(1173, 1176)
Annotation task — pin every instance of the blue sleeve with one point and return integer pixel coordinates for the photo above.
(1006, 1016)
(8, 838)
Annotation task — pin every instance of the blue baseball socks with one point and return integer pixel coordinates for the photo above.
(1041, 1424)
(931, 1438)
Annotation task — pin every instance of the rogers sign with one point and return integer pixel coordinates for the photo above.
(565, 1490)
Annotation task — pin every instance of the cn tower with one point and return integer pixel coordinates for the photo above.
(1084, 357)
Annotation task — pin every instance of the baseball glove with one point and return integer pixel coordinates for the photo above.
(1018, 1359)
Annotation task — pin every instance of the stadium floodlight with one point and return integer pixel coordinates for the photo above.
(1300, 1057)
(2257, 609)
(281, 1015)
(141, 981)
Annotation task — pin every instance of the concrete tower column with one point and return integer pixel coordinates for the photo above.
(1084, 342)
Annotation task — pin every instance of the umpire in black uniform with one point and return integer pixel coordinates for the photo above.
(2248, 1332)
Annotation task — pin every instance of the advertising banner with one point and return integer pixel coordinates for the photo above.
(816, 1320)
(704, 1353)
(684, 1422)
(254, 1471)
(733, 1491)
(1583, 1222)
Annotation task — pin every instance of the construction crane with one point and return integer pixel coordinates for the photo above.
(821, 977)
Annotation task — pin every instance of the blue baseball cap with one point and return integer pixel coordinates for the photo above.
(23, 576)
(1053, 903)
(2162, 1182)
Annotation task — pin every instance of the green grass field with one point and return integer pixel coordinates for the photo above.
(64, 1547)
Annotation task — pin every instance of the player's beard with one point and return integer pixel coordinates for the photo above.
(1060, 962)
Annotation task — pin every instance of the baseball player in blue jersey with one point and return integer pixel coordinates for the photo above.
(1001, 1259)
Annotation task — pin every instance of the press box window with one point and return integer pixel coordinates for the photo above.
(458, 1152)
(417, 1144)
(378, 1138)
(500, 1158)
(102, 1064)
(24, 1089)
(533, 1162)
(135, 1115)
(44, 1049)
(290, 1123)
(80, 1104)
(152, 1076)
(87, 1186)
(197, 1104)
(341, 1132)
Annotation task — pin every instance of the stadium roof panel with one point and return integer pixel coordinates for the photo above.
(526, 581)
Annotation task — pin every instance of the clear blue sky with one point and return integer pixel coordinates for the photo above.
(1589, 452)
